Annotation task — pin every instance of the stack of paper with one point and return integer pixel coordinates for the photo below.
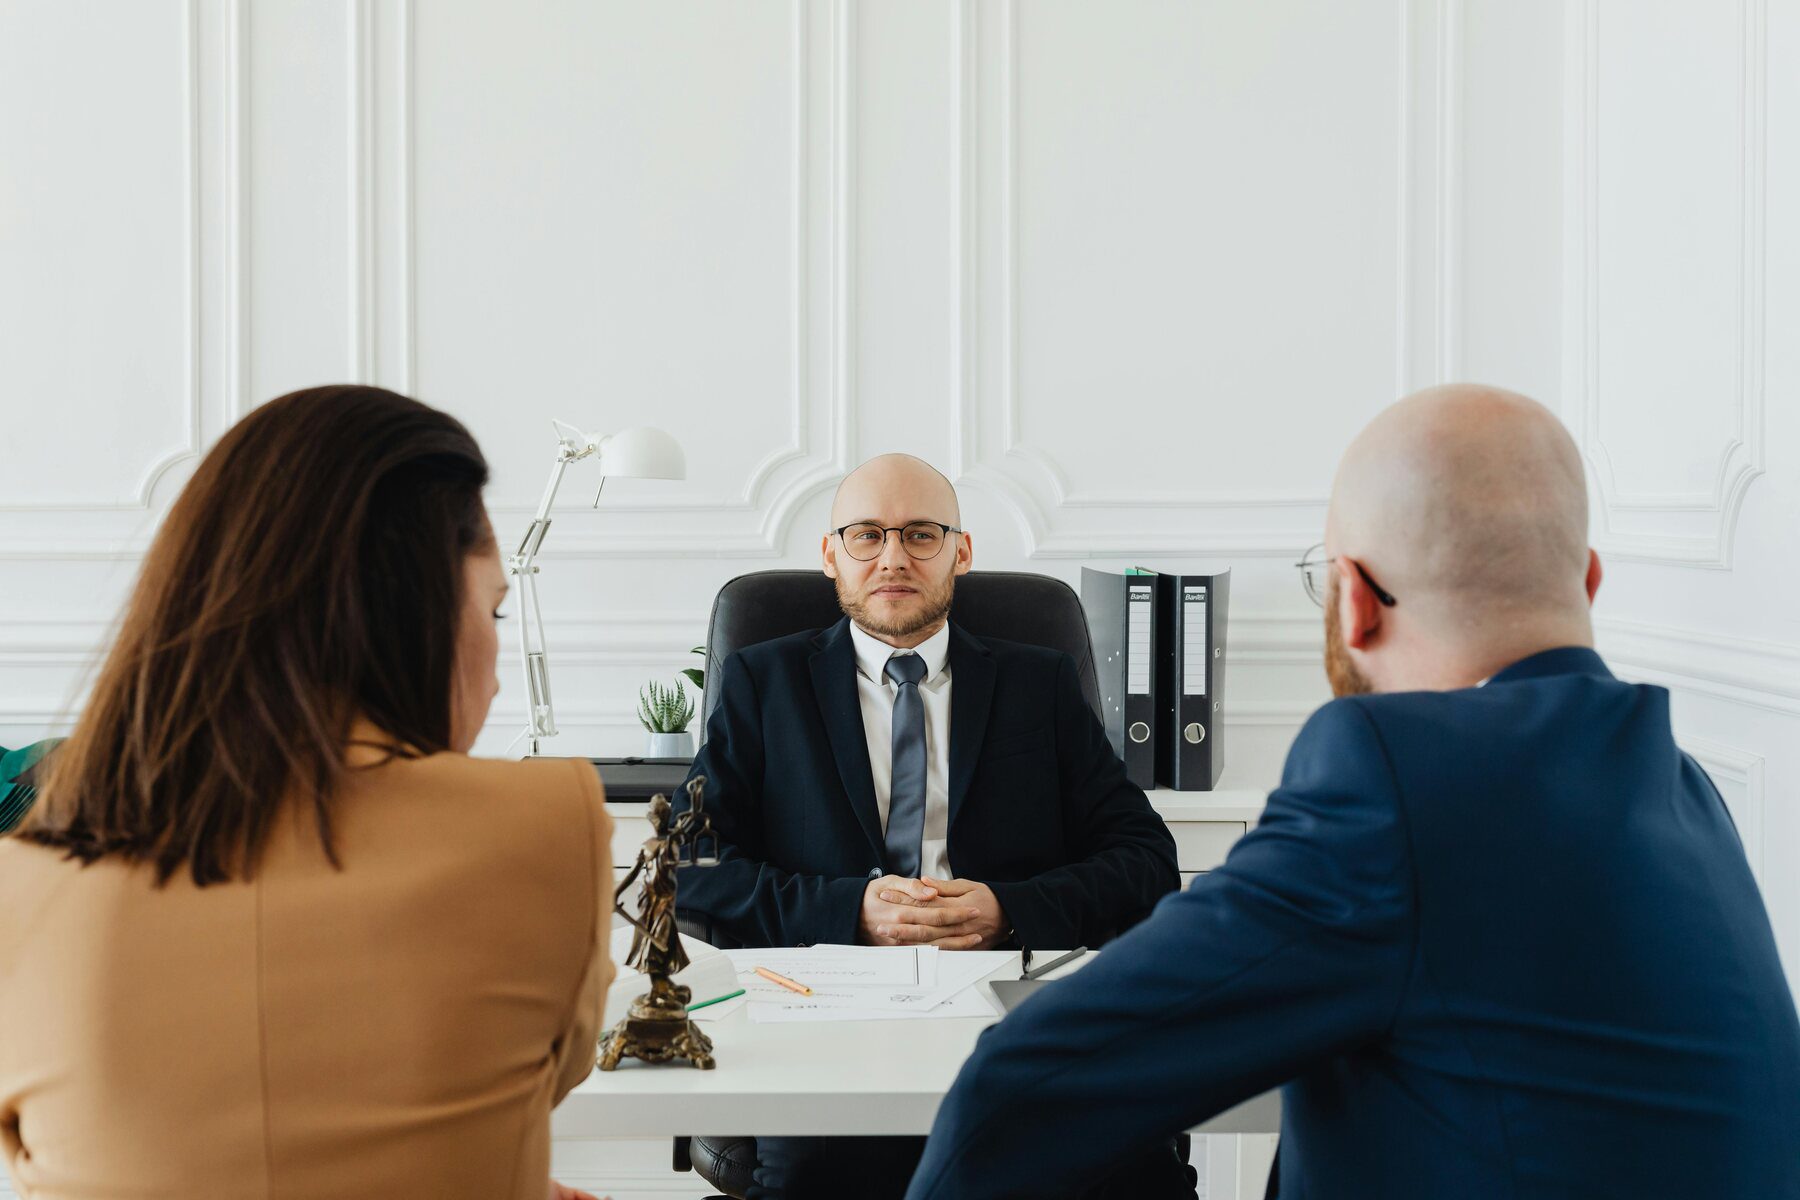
(863, 983)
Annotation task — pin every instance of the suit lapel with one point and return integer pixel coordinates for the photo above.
(834, 684)
(971, 692)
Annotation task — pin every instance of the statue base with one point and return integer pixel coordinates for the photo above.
(657, 1029)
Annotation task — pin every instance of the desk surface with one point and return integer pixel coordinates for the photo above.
(830, 1077)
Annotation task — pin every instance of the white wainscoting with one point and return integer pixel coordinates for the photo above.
(1131, 274)
(1681, 175)
(1675, 438)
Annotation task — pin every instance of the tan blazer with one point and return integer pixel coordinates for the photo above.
(400, 1028)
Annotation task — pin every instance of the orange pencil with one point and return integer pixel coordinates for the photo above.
(784, 981)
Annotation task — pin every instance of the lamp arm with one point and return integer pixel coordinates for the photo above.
(534, 655)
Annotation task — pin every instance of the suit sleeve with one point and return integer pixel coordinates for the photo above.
(1128, 854)
(575, 1049)
(1295, 950)
(752, 900)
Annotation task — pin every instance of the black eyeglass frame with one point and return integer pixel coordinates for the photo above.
(1307, 562)
(901, 530)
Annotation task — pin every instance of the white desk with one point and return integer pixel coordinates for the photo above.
(855, 1077)
(835, 1077)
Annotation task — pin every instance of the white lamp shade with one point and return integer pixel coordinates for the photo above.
(641, 452)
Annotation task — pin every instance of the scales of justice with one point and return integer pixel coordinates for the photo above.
(656, 1027)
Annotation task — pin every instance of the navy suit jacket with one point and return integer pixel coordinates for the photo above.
(1500, 942)
(1040, 809)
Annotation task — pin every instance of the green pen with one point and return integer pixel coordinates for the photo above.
(717, 1000)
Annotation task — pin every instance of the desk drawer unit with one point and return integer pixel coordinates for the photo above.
(1203, 845)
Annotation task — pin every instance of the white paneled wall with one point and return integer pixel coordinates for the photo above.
(1681, 267)
(1131, 273)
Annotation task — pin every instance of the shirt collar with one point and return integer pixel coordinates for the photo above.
(872, 653)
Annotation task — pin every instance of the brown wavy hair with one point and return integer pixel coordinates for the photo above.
(310, 573)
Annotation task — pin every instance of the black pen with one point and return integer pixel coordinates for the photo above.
(1054, 963)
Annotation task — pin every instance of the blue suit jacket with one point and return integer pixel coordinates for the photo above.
(1500, 942)
(1040, 809)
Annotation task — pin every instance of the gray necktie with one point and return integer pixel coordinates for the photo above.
(906, 790)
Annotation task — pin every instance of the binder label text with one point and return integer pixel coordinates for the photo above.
(1193, 641)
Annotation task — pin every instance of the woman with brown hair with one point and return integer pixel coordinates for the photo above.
(268, 930)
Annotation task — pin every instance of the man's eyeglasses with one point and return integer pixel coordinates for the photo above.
(922, 540)
(1315, 569)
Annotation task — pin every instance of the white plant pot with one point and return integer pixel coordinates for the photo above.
(669, 745)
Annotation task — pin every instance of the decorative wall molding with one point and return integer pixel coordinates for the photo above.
(191, 134)
(1277, 641)
(78, 546)
(236, 274)
(80, 639)
(649, 640)
(1274, 639)
(1448, 208)
(359, 141)
(382, 275)
(190, 398)
(574, 718)
(213, 74)
(1757, 674)
(1696, 529)
(1428, 342)
(820, 436)
(381, 288)
(1028, 478)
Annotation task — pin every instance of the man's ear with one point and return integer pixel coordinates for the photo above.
(965, 553)
(1359, 611)
(828, 557)
(1595, 574)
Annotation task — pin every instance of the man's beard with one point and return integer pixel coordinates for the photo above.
(935, 608)
(1346, 678)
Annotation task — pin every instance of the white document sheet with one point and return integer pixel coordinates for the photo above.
(946, 988)
(840, 966)
(967, 1003)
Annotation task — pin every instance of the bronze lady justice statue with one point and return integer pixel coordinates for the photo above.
(656, 1027)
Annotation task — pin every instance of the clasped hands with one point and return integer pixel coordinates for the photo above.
(951, 914)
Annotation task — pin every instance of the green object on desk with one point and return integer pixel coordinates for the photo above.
(717, 1000)
(18, 783)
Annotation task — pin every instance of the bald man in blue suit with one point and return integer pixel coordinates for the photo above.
(1495, 934)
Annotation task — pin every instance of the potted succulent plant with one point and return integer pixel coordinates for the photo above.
(665, 713)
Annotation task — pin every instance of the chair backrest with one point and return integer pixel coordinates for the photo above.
(1015, 606)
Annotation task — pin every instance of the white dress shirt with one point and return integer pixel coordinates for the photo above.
(876, 692)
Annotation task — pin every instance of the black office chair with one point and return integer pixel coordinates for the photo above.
(1013, 606)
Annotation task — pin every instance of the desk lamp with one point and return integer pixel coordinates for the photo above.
(641, 452)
